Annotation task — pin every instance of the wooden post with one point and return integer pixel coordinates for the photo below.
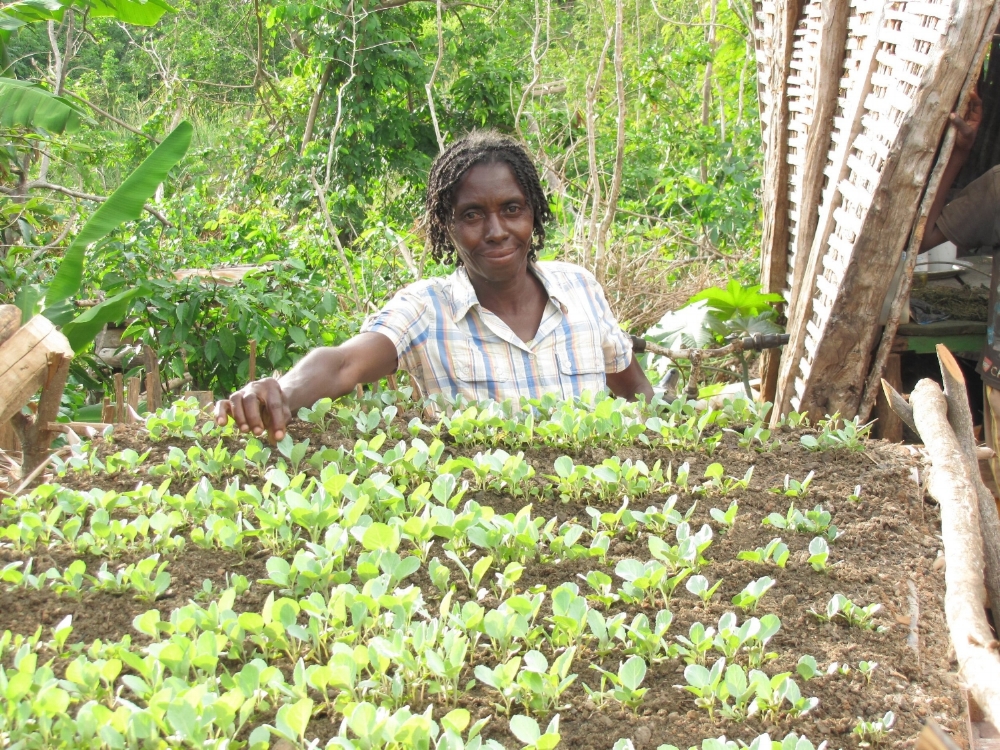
(34, 432)
(889, 426)
(132, 393)
(964, 604)
(108, 411)
(119, 398)
(24, 363)
(154, 388)
(960, 419)
(252, 374)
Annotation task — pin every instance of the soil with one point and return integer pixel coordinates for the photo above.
(890, 539)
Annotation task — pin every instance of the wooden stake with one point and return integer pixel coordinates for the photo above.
(889, 426)
(154, 387)
(108, 411)
(965, 606)
(33, 431)
(899, 405)
(933, 737)
(390, 379)
(119, 398)
(252, 375)
(960, 419)
(132, 397)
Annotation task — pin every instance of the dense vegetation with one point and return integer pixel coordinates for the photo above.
(314, 126)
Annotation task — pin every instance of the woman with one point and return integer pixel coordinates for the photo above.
(501, 326)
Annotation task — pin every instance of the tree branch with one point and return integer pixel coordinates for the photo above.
(429, 86)
(42, 185)
(110, 116)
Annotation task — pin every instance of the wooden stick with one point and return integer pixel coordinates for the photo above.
(899, 406)
(132, 399)
(107, 411)
(960, 419)
(965, 606)
(252, 375)
(119, 398)
(154, 387)
(913, 638)
(390, 380)
(933, 737)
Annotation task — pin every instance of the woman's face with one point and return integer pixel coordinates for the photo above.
(492, 224)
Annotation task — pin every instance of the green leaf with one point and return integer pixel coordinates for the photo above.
(138, 12)
(81, 331)
(293, 719)
(25, 104)
(456, 720)
(125, 204)
(736, 299)
(379, 536)
(15, 15)
(632, 672)
(525, 729)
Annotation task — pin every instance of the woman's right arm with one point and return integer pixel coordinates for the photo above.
(327, 372)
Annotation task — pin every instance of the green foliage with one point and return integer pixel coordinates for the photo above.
(25, 104)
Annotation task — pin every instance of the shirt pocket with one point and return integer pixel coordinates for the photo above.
(482, 364)
(581, 356)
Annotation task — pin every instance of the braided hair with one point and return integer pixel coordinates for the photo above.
(479, 147)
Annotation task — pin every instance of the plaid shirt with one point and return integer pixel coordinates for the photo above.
(450, 344)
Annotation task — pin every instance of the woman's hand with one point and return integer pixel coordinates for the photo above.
(258, 406)
(326, 372)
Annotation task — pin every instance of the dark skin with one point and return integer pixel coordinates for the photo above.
(965, 136)
(492, 232)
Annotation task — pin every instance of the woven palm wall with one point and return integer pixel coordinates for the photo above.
(854, 103)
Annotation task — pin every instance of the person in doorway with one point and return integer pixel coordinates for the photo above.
(502, 325)
(972, 219)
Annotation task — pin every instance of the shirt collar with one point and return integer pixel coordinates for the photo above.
(463, 295)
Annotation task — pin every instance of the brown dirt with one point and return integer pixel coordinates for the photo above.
(889, 537)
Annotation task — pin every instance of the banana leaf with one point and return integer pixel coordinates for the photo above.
(125, 204)
(25, 104)
(84, 328)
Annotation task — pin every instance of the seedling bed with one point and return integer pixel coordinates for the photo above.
(884, 543)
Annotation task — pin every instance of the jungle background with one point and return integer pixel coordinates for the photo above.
(315, 124)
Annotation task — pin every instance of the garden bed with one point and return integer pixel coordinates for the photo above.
(883, 547)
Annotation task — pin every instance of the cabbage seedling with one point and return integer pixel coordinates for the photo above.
(704, 684)
(819, 551)
(867, 668)
(807, 667)
(728, 518)
(698, 585)
(625, 684)
(697, 643)
(873, 732)
(527, 731)
(776, 551)
(750, 597)
(795, 488)
(854, 614)
(502, 679)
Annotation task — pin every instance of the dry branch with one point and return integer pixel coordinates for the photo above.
(960, 419)
(965, 606)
